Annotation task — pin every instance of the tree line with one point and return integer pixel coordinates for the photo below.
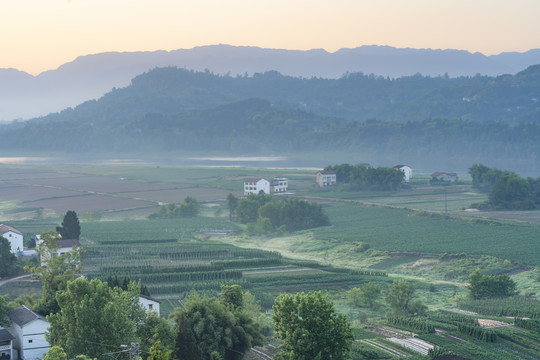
(363, 177)
(187, 208)
(507, 190)
(268, 214)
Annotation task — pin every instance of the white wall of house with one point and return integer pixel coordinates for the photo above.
(15, 240)
(326, 179)
(30, 339)
(407, 171)
(255, 186)
(279, 185)
(149, 304)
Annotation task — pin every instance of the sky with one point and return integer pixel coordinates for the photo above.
(39, 35)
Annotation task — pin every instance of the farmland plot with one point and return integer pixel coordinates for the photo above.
(417, 345)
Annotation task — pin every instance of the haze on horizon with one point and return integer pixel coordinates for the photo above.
(42, 35)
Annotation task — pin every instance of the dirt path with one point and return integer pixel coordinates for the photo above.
(3, 282)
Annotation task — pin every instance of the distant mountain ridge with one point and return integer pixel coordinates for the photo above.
(89, 77)
(435, 122)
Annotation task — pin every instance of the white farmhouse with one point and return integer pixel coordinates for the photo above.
(14, 236)
(256, 186)
(407, 172)
(6, 345)
(29, 328)
(64, 246)
(326, 178)
(149, 303)
(279, 185)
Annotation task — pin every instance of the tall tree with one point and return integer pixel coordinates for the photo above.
(209, 328)
(71, 228)
(232, 204)
(58, 271)
(4, 309)
(310, 328)
(400, 297)
(8, 260)
(93, 318)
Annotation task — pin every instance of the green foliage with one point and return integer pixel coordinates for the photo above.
(8, 260)
(482, 286)
(360, 177)
(70, 228)
(124, 283)
(187, 209)
(529, 324)
(511, 192)
(367, 295)
(476, 331)
(370, 293)
(516, 306)
(413, 324)
(266, 214)
(381, 227)
(105, 318)
(59, 270)
(157, 352)
(155, 331)
(207, 329)
(55, 353)
(4, 309)
(400, 298)
(506, 189)
(232, 204)
(231, 296)
(310, 328)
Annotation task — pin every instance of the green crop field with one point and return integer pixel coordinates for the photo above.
(400, 230)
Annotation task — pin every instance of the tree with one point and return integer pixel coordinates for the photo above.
(71, 228)
(188, 208)
(8, 260)
(154, 328)
(232, 204)
(104, 318)
(55, 353)
(58, 271)
(481, 286)
(400, 298)
(210, 328)
(4, 309)
(231, 296)
(511, 192)
(310, 328)
(370, 293)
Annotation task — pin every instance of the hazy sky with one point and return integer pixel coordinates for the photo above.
(38, 35)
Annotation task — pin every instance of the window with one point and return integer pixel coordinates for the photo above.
(30, 341)
(150, 306)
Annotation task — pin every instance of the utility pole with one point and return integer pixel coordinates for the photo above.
(134, 351)
(445, 201)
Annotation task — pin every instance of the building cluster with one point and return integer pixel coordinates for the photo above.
(24, 338)
(326, 178)
(278, 185)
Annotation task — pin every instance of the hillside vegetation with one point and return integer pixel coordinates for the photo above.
(423, 121)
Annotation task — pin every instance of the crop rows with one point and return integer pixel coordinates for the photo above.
(516, 306)
(412, 324)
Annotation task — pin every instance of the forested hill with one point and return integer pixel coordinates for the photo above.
(357, 97)
(435, 122)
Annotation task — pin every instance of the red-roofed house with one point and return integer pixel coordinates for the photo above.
(444, 176)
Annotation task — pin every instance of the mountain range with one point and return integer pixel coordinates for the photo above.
(24, 96)
(437, 123)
